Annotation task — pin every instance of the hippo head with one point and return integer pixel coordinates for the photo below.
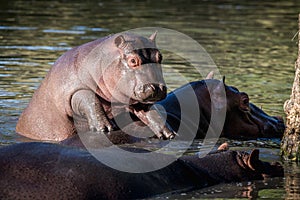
(244, 119)
(135, 74)
(236, 166)
(259, 168)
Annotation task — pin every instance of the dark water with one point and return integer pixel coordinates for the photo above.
(250, 41)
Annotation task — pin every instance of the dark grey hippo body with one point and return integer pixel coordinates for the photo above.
(243, 119)
(52, 171)
(121, 71)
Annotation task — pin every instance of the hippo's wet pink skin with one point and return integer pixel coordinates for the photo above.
(243, 119)
(119, 70)
(52, 171)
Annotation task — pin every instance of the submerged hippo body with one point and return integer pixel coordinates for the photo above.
(243, 119)
(87, 81)
(52, 171)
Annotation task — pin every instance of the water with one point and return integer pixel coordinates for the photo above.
(250, 41)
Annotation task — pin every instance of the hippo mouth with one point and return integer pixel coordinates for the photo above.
(269, 126)
(150, 93)
(275, 128)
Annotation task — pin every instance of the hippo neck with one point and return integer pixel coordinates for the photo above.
(103, 92)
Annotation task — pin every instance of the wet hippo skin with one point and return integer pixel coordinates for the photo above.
(79, 95)
(120, 71)
(52, 171)
(244, 120)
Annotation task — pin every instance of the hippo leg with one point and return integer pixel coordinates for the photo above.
(86, 104)
(155, 122)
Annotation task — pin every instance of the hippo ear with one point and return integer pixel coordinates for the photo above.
(218, 96)
(210, 75)
(223, 147)
(120, 42)
(219, 87)
(153, 36)
(253, 161)
(223, 80)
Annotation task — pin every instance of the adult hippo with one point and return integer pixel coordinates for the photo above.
(243, 119)
(92, 81)
(52, 171)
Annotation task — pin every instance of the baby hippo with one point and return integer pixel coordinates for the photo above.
(52, 171)
(92, 82)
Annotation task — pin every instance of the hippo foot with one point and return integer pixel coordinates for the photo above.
(102, 129)
(104, 126)
(166, 133)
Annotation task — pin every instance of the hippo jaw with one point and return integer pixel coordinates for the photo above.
(266, 169)
(244, 118)
(270, 126)
(150, 93)
(252, 124)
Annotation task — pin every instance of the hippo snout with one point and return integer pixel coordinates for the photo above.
(274, 127)
(273, 169)
(269, 126)
(150, 93)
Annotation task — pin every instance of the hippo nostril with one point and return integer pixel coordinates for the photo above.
(162, 88)
(151, 92)
(153, 87)
(148, 88)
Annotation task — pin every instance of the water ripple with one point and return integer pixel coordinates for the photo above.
(18, 63)
(84, 28)
(63, 31)
(18, 28)
(36, 48)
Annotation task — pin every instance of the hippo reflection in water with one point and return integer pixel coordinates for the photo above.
(243, 119)
(52, 171)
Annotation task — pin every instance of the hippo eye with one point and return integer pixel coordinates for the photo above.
(133, 62)
(244, 102)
